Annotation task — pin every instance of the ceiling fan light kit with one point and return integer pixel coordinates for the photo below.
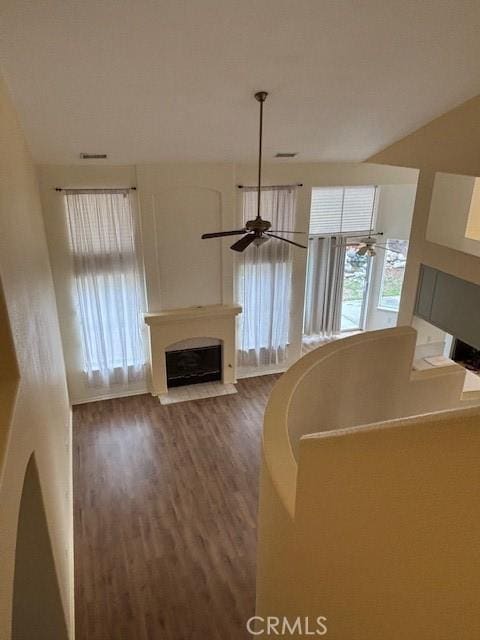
(258, 241)
(257, 231)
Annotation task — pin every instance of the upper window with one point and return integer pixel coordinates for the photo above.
(108, 290)
(392, 274)
(264, 282)
(342, 209)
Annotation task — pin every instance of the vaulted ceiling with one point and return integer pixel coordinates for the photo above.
(153, 80)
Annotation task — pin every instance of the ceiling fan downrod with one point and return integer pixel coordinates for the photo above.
(258, 230)
(261, 96)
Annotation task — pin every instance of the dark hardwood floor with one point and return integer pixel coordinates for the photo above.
(165, 516)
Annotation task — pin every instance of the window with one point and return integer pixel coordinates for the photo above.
(337, 277)
(342, 209)
(356, 278)
(107, 289)
(263, 283)
(392, 274)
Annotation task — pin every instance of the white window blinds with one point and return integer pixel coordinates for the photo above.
(342, 209)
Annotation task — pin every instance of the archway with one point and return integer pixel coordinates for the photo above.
(37, 606)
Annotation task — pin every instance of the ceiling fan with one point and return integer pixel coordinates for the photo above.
(258, 230)
(368, 244)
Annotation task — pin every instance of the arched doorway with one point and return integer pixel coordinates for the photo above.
(37, 607)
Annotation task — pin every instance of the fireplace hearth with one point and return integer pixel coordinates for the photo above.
(194, 366)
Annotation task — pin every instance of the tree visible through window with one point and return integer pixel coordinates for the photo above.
(355, 282)
(392, 275)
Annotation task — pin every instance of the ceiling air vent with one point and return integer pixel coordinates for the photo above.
(286, 154)
(93, 156)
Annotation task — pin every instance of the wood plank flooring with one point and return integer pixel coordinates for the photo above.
(165, 501)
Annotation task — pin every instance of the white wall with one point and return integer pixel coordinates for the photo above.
(431, 341)
(454, 198)
(448, 144)
(179, 202)
(394, 219)
(35, 416)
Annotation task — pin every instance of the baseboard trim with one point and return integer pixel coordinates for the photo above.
(254, 372)
(111, 396)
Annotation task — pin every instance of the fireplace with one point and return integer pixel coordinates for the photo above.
(466, 355)
(192, 328)
(193, 366)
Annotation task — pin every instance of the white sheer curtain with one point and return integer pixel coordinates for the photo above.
(108, 287)
(263, 279)
(324, 287)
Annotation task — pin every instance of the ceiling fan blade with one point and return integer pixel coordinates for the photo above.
(362, 251)
(272, 235)
(242, 244)
(386, 248)
(303, 233)
(221, 234)
(366, 235)
(345, 246)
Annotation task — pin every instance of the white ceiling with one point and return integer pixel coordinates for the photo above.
(148, 80)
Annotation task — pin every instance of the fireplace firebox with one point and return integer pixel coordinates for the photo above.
(193, 366)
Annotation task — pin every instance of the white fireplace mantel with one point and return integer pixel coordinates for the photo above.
(175, 325)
